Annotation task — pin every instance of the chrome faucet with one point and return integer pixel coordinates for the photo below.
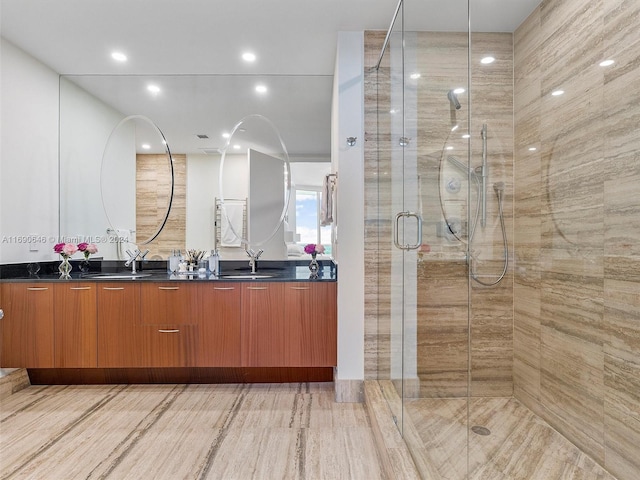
(253, 258)
(133, 256)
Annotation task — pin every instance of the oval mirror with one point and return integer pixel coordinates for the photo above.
(136, 180)
(255, 185)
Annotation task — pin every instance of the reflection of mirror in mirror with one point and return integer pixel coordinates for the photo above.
(136, 148)
(253, 206)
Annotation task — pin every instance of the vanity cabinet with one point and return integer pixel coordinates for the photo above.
(26, 331)
(145, 325)
(168, 324)
(219, 325)
(289, 324)
(75, 325)
(119, 338)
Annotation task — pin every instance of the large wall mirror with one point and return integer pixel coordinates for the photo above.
(193, 112)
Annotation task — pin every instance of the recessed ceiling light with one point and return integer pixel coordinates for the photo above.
(226, 135)
(466, 135)
(487, 60)
(146, 146)
(153, 88)
(459, 90)
(532, 149)
(414, 76)
(455, 127)
(449, 148)
(119, 56)
(392, 111)
(236, 147)
(606, 63)
(249, 57)
(557, 93)
(261, 89)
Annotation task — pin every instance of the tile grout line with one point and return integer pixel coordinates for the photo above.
(87, 413)
(138, 433)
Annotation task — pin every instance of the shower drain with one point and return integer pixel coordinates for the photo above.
(480, 430)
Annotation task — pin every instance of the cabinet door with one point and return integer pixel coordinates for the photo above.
(219, 325)
(311, 319)
(26, 331)
(169, 303)
(265, 338)
(119, 339)
(75, 325)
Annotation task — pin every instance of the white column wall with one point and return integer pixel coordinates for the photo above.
(348, 121)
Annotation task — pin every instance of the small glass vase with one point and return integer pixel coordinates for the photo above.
(313, 266)
(84, 266)
(65, 268)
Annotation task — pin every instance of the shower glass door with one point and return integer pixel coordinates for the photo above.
(423, 197)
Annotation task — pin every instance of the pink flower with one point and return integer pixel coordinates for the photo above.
(83, 246)
(58, 247)
(69, 249)
(92, 248)
(312, 248)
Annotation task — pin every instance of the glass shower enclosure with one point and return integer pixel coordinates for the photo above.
(438, 179)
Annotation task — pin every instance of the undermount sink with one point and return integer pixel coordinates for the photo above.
(117, 276)
(247, 276)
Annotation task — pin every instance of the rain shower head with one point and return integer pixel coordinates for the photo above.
(453, 98)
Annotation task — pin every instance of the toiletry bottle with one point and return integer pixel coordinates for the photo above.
(174, 260)
(214, 262)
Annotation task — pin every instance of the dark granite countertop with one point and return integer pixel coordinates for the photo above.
(156, 271)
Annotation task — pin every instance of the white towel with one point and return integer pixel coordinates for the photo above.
(326, 207)
(232, 221)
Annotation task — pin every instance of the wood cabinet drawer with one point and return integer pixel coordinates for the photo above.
(168, 303)
(168, 345)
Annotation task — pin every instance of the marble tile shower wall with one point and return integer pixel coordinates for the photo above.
(577, 225)
(442, 322)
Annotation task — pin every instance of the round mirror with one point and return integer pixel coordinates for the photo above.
(255, 185)
(136, 180)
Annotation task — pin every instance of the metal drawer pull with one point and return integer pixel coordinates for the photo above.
(299, 288)
(168, 288)
(224, 288)
(168, 331)
(257, 288)
(79, 288)
(113, 288)
(37, 289)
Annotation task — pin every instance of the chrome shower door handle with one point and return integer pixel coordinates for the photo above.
(396, 240)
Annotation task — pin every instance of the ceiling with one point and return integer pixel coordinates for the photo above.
(294, 40)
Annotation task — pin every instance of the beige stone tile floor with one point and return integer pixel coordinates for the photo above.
(521, 446)
(258, 431)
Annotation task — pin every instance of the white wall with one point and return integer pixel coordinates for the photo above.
(28, 156)
(86, 124)
(348, 121)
